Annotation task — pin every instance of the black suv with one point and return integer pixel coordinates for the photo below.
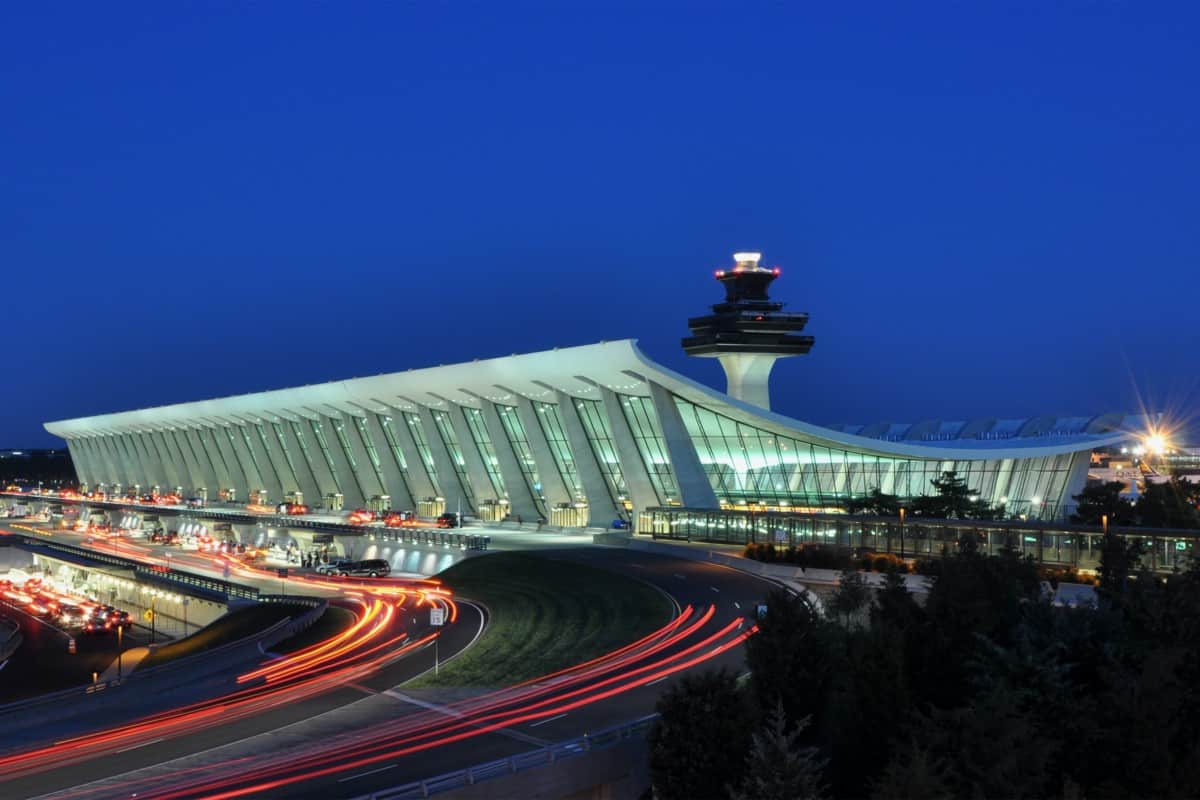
(372, 567)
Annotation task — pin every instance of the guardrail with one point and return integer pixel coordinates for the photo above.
(143, 571)
(532, 759)
(268, 637)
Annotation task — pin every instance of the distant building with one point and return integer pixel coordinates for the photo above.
(581, 436)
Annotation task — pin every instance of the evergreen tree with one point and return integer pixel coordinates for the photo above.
(913, 774)
(696, 746)
(778, 767)
(1100, 499)
(790, 656)
(1171, 504)
(1118, 560)
(851, 595)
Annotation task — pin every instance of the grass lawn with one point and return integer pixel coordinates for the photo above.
(545, 615)
(229, 628)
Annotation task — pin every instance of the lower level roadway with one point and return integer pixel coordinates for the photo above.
(368, 735)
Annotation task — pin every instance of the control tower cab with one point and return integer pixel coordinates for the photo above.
(748, 331)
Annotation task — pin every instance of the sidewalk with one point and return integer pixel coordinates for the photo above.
(129, 662)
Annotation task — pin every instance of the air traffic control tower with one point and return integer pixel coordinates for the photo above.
(748, 331)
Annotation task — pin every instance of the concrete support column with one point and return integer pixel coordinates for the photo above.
(452, 489)
(210, 462)
(420, 482)
(521, 500)
(195, 475)
(397, 487)
(471, 456)
(254, 480)
(79, 461)
(288, 480)
(633, 468)
(351, 490)
(307, 479)
(129, 447)
(155, 476)
(170, 463)
(111, 470)
(748, 377)
(602, 509)
(238, 480)
(310, 451)
(368, 479)
(266, 470)
(695, 489)
(91, 461)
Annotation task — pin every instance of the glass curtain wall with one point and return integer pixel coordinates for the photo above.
(339, 429)
(360, 425)
(647, 433)
(483, 442)
(595, 425)
(446, 430)
(262, 437)
(389, 433)
(298, 431)
(751, 466)
(413, 420)
(323, 445)
(560, 448)
(515, 432)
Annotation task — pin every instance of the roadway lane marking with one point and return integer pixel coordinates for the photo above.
(361, 688)
(403, 698)
(544, 721)
(369, 772)
(659, 680)
(681, 577)
(142, 744)
(736, 604)
(715, 589)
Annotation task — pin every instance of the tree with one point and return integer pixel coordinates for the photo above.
(875, 502)
(1171, 504)
(954, 499)
(696, 746)
(894, 605)
(790, 656)
(778, 767)
(1118, 560)
(913, 774)
(851, 595)
(1100, 499)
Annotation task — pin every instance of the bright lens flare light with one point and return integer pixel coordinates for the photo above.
(1155, 443)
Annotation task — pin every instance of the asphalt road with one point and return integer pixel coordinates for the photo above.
(309, 743)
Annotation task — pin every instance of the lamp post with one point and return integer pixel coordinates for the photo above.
(902, 532)
(1104, 523)
(120, 639)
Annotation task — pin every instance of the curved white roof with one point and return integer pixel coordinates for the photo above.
(621, 367)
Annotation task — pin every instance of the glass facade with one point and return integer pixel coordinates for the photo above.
(339, 430)
(289, 482)
(287, 454)
(389, 433)
(323, 445)
(515, 432)
(647, 433)
(595, 426)
(445, 427)
(752, 466)
(1074, 545)
(360, 425)
(560, 448)
(298, 432)
(418, 434)
(483, 443)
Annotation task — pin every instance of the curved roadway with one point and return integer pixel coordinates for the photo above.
(359, 734)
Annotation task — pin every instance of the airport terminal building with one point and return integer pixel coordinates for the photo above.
(579, 436)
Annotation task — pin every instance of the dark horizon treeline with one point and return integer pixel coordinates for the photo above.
(51, 467)
(985, 691)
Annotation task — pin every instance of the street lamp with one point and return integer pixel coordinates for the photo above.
(902, 532)
(120, 631)
(1104, 523)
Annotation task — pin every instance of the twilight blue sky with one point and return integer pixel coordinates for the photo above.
(988, 209)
